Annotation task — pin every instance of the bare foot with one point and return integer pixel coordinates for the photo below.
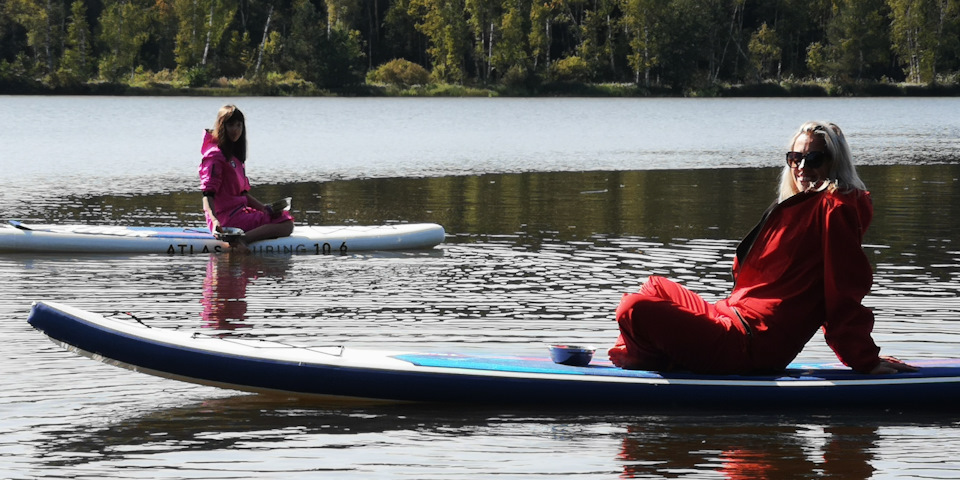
(618, 355)
(239, 246)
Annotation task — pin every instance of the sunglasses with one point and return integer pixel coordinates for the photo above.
(809, 160)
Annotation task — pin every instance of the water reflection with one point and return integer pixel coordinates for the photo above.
(282, 437)
(910, 205)
(224, 297)
(748, 448)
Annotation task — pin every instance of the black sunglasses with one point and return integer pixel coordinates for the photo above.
(809, 160)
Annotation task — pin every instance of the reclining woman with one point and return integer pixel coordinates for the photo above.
(801, 268)
(223, 180)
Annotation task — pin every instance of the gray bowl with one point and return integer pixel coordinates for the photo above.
(229, 234)
(574, 355)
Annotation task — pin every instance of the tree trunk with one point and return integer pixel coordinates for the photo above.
(263, 43)
(46, 43)
(206, 45)
(549, 41)
(490, 54)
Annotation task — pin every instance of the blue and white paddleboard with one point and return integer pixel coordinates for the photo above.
(20, 237)
(349, 374)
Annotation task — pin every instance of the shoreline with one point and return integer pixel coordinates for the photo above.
(627, 90)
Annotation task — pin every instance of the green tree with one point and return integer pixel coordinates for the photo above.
(799, 25)
(510, 55)
(765, 52)
(858, 38)
(482, 19)
(403, 39)
(76, 65)
(817, 59)
(540, 38)
(41, 21)
(690, 27)
(164, 31)
(924, 34)
(643, 23)
(123, 30)
(444, 24)
(597, 37)
(306, 29)
(201, 26)
(341, 14)
(343, 59)
(239, 55)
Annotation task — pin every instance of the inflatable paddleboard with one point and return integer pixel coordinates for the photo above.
(340, 373)
(319, 240)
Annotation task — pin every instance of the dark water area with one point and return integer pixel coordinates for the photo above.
(914, 205)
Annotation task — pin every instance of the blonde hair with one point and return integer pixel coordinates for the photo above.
(842, 176)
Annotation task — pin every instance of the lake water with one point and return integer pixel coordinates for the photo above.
(553, 209)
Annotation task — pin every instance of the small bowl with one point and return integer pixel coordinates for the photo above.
(229, 234)
(280, 205)
(573, 355)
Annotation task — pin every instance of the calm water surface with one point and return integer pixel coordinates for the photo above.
(553, 209)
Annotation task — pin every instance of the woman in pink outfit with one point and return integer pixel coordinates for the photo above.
(223, 180)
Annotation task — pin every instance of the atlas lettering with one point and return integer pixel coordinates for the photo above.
(187, 249)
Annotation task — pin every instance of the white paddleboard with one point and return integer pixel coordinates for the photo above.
(317, 240)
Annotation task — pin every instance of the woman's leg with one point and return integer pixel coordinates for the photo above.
(270, 230)
(660, 287)
(258, 225)
(666, 326)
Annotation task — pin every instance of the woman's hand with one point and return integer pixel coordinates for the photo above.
(208, 211)
(889, 365)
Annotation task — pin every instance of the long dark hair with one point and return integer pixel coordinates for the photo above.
(229, 114)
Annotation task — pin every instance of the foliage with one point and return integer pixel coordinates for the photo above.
(764, 51)
(123, 30)
(196, 77)
(643, 22)
(342, 64)
(472, 47)
(444, 24)
(859, 40)
(76, 65)
(399, 72)
(925, 34)
(201, 25)
(570, 69)
(817, 59)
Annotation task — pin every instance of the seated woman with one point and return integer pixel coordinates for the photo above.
(801, 268)
(223, 180)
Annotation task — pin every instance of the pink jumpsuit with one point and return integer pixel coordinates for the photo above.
(227, 181)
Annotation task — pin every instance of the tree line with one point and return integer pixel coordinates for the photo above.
(330, 44)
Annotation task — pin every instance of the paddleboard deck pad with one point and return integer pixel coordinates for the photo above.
(336, 372)
(319, 240)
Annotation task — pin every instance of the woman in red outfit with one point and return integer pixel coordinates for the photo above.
(801, 268)
(223, 180)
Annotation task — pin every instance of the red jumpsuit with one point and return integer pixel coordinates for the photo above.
(801, 268)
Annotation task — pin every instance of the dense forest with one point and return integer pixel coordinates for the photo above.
(330, 45)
